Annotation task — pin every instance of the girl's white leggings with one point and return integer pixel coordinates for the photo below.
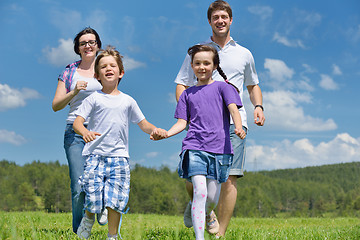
(205, 199)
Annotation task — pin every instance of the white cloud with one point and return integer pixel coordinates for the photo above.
(328, 83)
(172, 161)
(285, 113)
(287, 42)
(11, 137)
(354, 34)
(304, 84)
(172, 98)
(14, 98)
(264, 12)
(152, 154)
(336, 70)
(61, 55)
(279, 73)
(130, 64)
(308, 68)
(302, 153)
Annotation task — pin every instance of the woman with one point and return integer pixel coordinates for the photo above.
(75, 83)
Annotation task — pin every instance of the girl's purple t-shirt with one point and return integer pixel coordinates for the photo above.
(205, 108)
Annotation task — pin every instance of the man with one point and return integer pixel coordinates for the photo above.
(238, 64)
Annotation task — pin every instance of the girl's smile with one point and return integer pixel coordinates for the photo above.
(203, 67)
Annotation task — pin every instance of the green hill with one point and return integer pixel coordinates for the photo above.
(329, 190)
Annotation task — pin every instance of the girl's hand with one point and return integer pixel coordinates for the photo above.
(90, 136)
(241, 133)
(158, 134)
(80, 85)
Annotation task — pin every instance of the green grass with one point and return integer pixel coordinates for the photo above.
(39, 225)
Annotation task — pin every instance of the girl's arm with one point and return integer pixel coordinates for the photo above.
(80, 129)
(234, 112)
(178, 127)
(61, 98)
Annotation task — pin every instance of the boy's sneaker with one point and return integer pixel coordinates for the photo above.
(102, 218)
(212, 224)
(85, 226)
(187, 216)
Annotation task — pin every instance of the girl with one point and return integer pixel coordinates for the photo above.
(206, 149)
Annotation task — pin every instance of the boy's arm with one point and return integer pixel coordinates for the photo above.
(146, 127)
(155, 133)
(234, 112)
(80, 129)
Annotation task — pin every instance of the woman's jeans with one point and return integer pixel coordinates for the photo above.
(74, 144)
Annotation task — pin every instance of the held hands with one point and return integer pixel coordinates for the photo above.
(158, 134)
(90, 136)
(240, 133)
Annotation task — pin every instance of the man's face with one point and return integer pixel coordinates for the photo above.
(220, 23)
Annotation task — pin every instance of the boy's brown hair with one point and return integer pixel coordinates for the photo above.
(109, 51)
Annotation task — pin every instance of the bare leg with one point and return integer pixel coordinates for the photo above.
(89, 214)
(226, 203)
(189, 189)
(113, 221)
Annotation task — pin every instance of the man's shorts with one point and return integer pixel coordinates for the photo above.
(106, 183)
(238, 144)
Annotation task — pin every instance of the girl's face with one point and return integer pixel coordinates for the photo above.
(88, 45)
(203, 65)
(109, 72)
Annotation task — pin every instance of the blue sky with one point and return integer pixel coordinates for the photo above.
(307, 55)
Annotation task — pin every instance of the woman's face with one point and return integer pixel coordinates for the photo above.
(88, 45)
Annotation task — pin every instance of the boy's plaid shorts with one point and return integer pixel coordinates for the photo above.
(106, 183)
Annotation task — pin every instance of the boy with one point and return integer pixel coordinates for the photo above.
(106, 178)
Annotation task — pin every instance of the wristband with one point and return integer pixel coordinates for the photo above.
(260, 106)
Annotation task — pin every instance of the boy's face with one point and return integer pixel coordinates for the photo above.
(109, 71)
(203, 65)
(220, 23)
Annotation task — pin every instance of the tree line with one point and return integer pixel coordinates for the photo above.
(329, 190)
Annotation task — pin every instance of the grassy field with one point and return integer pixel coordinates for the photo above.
(39, 225)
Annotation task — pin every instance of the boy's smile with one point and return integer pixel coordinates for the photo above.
(109, 73)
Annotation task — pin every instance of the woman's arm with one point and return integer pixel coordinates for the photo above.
(62, 98)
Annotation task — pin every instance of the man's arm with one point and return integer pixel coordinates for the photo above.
(179, 90)
(256, 99)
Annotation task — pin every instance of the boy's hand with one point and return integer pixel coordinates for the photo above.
(90, 136)
(241, 133)
(158, 134)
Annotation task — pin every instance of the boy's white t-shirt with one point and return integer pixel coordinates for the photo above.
(110, 116)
